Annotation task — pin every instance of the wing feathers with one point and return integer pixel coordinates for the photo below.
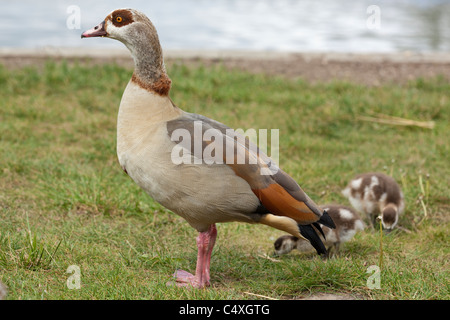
(278, 201)
(277, 191)
(309, 233)
(326, 220)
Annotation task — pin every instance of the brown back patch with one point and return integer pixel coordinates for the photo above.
(160, 86)
(121, 17)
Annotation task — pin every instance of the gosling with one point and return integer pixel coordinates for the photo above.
(376, 195)
(347, 222)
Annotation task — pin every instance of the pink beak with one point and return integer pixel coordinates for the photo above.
(97, 31)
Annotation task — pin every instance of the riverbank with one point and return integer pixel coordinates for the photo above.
(368, 69)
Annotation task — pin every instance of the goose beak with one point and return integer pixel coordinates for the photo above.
(97, 31)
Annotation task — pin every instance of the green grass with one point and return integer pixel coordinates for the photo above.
(65, 201)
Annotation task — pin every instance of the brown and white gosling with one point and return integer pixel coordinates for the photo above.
(376, 195)
(347, 222)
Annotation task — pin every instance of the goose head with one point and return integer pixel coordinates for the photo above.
(135, 30)
(126, 25)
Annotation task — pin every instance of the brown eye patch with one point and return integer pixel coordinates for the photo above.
(121, 18)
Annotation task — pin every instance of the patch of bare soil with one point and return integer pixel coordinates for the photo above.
(366, 69)
(373, 72)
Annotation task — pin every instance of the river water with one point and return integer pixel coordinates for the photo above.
(273, 25)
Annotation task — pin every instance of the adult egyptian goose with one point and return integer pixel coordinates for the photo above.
(376, 195)
(152, 133)
(347, 221)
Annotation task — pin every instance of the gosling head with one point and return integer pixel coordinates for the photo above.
(285, 244)
(389, 217)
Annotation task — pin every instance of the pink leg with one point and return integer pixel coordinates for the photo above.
(210, 246)
(205, 244)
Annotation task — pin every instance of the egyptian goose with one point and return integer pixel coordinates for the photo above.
(152, 133)
(377, 196)
(347, 222)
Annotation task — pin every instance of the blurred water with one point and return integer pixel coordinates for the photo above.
(277, 25)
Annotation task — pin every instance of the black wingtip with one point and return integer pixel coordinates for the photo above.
(309, 233)
(326, 220)
(319, 228)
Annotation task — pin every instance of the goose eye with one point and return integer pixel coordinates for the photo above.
(119, 19)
